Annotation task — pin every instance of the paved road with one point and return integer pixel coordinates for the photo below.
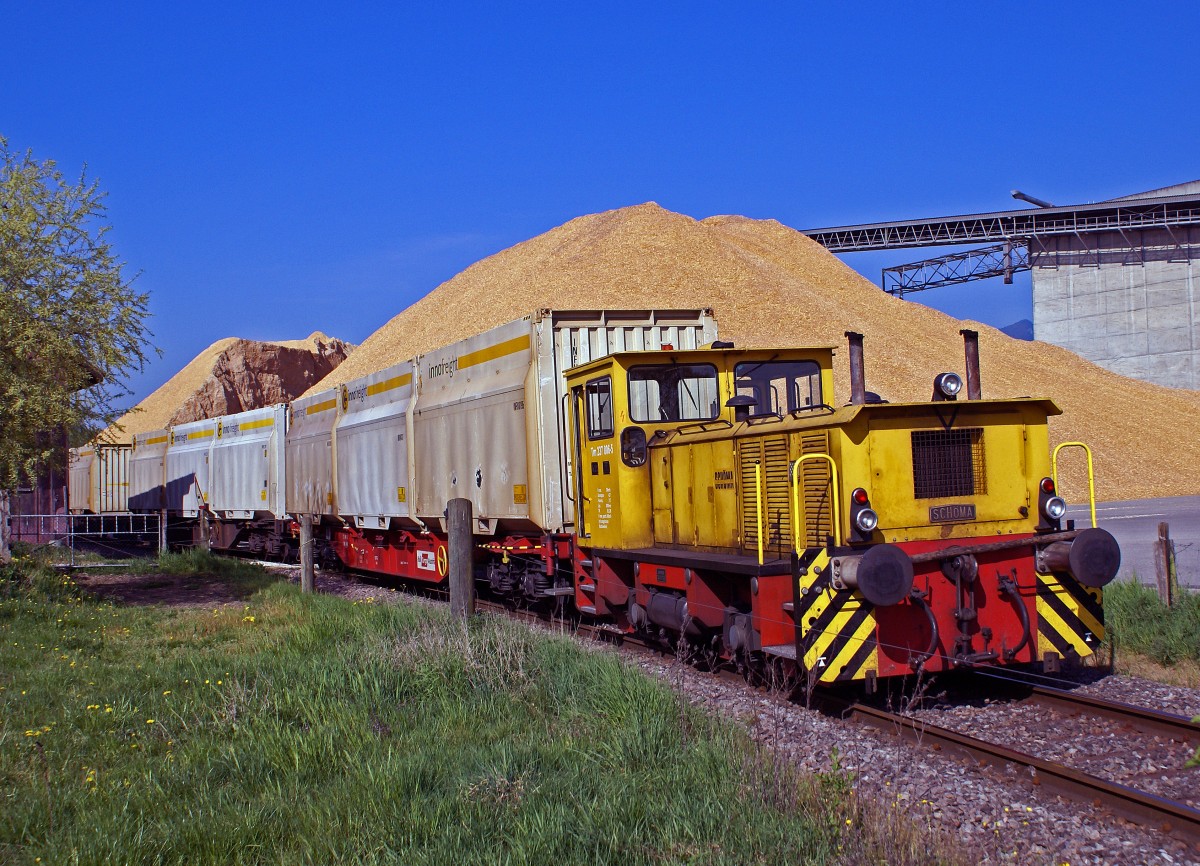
(1135, 526)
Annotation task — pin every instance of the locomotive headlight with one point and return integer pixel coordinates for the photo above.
(1054, 507)
(866, 520)
(948, 384)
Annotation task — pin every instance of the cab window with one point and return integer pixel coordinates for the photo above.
(779, 387)
(599, 408)
(673, 392)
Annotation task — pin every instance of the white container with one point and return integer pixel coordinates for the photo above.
(147, 471)
(188, 474)
(247, 464)
(80, 484)
(309, 473)
(372, 477)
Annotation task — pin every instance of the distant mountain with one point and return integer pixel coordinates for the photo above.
(1022, 330)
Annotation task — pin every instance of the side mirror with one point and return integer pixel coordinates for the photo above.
(633, 446)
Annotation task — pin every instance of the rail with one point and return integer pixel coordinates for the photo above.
(835, 520)
(1090, 473)
(1133, 805)
(1143, 719)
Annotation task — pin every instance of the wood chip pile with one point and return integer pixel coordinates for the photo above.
(769, 285)
(189, 394)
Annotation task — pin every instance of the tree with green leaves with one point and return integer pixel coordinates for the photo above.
(72, 327)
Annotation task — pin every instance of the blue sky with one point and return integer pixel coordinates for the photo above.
(277, 168)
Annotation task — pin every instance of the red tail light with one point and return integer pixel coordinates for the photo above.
(860, 497)
(1047, 485)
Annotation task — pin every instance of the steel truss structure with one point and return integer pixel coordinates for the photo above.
(1000, 260)
(1017, 226)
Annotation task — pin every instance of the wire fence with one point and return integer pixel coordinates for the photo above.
(98, 533)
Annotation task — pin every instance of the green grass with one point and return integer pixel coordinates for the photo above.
(1140, 622)
(311, 729)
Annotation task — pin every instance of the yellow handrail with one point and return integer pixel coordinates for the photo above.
(833, 480)
(758, 506)
(1091, 475)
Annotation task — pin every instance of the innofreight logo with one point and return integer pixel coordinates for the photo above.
(443, 368)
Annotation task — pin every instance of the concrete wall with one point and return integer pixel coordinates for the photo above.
(1127, 302)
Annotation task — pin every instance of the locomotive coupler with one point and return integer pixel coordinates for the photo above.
(963, 569)
(1008, 586)
(918, 597)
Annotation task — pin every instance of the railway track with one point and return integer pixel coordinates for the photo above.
(1139, 807)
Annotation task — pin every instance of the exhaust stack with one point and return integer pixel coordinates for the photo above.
(858, 386)
(971, 342)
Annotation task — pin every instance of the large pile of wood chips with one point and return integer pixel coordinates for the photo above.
(769, 285)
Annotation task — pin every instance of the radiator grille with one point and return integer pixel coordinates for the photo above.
(772, 451)
(814, 494)
(948, 463)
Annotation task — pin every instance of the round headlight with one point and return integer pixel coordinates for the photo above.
(1055, 507)
(866, 520)
(949, 384)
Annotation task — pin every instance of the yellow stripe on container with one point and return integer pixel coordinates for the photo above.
(320, 407)
(256, 425)
(389, 384)
(491, 353)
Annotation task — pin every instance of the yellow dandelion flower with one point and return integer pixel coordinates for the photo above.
(167, 692)
(149, 721)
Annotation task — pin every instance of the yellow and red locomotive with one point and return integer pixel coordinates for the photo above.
(629, 464)
(740, 507)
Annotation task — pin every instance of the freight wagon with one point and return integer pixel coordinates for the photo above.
(220, 481)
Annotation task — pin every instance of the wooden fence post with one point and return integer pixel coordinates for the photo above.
(307, 579)
(462, 567)
(1164, 564)
(162, 532)
(5, 529)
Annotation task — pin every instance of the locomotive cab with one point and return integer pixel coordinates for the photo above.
(626, 407)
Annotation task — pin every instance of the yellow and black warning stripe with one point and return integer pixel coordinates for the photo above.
(1070, 616)
(837, 627)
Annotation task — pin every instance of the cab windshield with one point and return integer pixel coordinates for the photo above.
(779, 387)
(673, 392)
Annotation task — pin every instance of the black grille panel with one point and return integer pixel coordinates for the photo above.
(948, 463)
